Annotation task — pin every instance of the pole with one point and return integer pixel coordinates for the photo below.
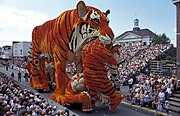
(177, 3)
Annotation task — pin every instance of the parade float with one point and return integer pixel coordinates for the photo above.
(82, 36)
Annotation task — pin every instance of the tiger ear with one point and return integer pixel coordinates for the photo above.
(81, 7)
(107, 12)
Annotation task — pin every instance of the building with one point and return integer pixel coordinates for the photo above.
(20, 50)
(136, 37)
(6, 52)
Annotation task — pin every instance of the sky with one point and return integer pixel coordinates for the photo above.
(19, 17)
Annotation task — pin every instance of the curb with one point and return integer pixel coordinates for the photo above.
(144, 108)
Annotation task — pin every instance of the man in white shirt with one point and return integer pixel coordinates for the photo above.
(161, 95)
(130, 82)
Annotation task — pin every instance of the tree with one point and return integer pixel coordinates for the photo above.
(169, 54)
(161, 39)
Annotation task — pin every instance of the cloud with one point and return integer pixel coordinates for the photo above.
(17, 24)
(14, 17)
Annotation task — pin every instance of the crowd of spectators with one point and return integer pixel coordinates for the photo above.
(15, 101)
(152, 91)
(137, 57)
(145, 89)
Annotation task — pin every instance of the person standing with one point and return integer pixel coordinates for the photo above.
(12, 75)
(166, 106)
(19, 76)
(6, 68)
(130, 82)
(26, 76)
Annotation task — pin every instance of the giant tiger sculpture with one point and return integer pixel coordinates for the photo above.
(56, 39)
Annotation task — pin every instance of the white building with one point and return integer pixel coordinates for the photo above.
(135, 37)
(20, 50)
(6, 52)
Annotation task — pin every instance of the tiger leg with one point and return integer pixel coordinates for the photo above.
(35, 71)
(60, 79)
(105, 87)
(43, 76)
(95, 96)
(92, 91)
(115, 98)
(29, 60)
(38, 76)
(83, 98)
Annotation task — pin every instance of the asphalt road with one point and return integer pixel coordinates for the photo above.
(121, 110)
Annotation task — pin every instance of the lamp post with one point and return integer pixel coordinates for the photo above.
(177, 3)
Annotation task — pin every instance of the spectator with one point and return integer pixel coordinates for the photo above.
(12, 75)
(6, 68)
(130, 82)
(19, 76)
(142, 96)
(166, 106)
(161, 95)
(26, 76)
(159, 105)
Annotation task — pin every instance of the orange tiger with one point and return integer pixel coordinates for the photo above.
(95, 58)
(56, 39)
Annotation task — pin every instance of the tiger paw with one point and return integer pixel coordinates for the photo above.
(58, 98)
(87, 107)
(115, 101)
(38, 86)
(85, 97)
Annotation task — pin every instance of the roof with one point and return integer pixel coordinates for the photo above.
(141, 32)
(7, 46)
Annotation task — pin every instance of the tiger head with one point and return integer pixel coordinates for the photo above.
(91, 24)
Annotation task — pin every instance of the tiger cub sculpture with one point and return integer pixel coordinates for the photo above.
(95, 58)
(56, 38)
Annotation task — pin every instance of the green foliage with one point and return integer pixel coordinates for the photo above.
(161, 39)
(170, 54)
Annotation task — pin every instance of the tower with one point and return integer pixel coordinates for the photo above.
(136, 25)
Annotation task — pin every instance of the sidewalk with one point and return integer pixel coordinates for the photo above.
(26, 85)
